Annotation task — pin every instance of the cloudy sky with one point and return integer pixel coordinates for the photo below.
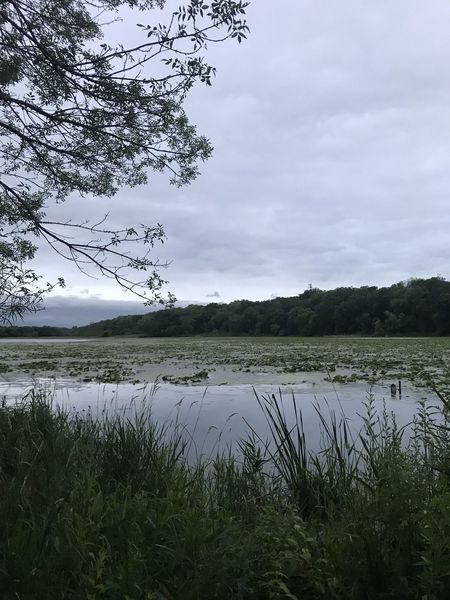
(331, 128)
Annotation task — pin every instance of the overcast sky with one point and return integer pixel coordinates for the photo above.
(331, 128)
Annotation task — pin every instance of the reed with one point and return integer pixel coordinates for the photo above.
(112, 508)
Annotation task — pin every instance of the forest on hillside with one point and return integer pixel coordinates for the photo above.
(415, 307)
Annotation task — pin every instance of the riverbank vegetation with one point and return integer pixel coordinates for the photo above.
(417, 307)
(112, 509)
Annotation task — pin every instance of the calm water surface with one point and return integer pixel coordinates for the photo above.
(216, 417)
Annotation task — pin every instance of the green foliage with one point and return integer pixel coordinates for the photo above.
(419, 307)
(79, 116)
(32, 331)
(111, 509)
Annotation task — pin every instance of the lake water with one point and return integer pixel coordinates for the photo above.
(217, 417)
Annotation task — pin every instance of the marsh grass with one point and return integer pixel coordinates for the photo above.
(110, 508)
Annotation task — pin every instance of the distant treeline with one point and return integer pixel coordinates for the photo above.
(415, 307)
(30, 331)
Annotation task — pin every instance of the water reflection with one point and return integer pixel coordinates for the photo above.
(217, 417)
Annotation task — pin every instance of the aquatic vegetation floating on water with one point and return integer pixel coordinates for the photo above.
(130, 359)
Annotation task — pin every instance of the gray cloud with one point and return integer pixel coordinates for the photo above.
(67, 311)
(331, 128)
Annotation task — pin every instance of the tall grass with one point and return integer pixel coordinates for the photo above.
(111, 508)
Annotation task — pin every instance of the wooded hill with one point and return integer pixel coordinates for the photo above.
(415, 307)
